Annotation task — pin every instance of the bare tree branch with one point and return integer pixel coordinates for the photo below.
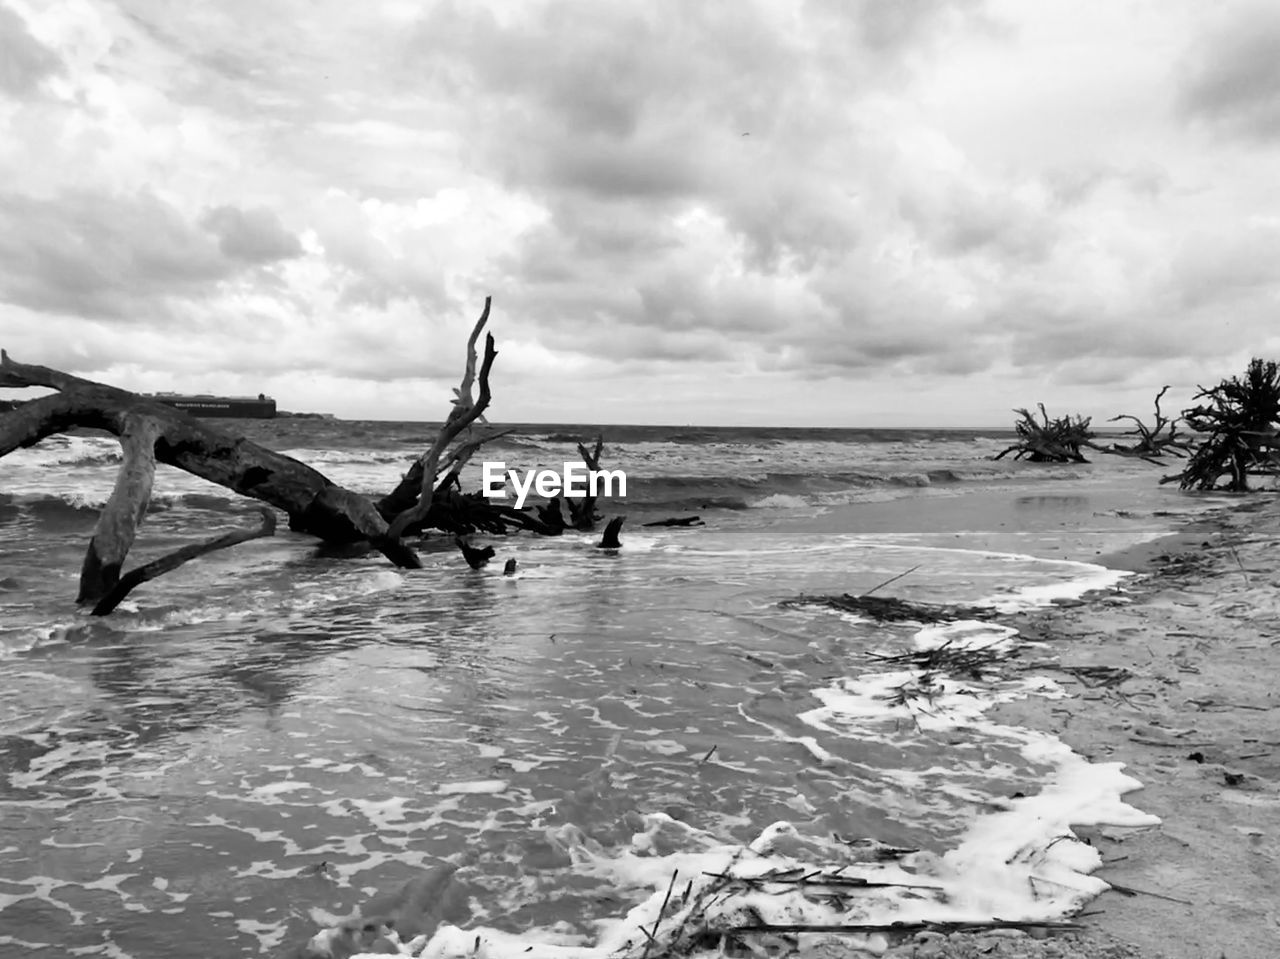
(171, 561)
(460, 418)
(1151, 440)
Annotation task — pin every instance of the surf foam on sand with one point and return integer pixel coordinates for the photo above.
(1017, 861)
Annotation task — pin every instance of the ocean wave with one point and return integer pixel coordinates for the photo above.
(773, 490)
(63, 452)
(361, 456)
(557, 437)
(74, 503)
(522, 442)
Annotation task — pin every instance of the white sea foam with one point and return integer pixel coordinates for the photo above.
(63, 451)
(1020, 861)
(781, 501)
(489, 786)
(1088, 577)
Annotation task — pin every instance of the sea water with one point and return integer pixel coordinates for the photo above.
(255, 743)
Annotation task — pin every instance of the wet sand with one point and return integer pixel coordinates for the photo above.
(1195, 716)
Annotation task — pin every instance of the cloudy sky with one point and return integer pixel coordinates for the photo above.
(833, 212)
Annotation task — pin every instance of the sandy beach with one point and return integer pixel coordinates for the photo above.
(1173, 675)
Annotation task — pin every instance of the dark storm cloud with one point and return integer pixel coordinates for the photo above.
(24, 61)
(687, 299)
(606, 167)
(650, 75)
(583, 234)
(229, 57)
(635, 347)
(795, 222)
(1232, 76)
(892, 28)
(1048, 332)
(960, 219)
(253, 236)
(1071, 186)
(1219, 269)
(837, 189)
(912, 347)
(642, 104)
(102, 255)
(701, 164)
(881, 349)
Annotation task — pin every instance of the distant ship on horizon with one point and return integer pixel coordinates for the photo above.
(260, 407)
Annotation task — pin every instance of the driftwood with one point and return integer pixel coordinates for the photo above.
(1049, 441)
(1239, 429)
(171, 561)
(582, 512)
(678, 521)
(151, 432)
(476, 558)
(465, 412)
(889, 609)
(610, 538)
(946, 658)
(697, 927)
(550, 517)
(862, 928)
(445, 513)
(1152, 441)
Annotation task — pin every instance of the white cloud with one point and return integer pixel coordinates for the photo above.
(784, 204)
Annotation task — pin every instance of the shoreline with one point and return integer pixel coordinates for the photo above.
(1194, 719)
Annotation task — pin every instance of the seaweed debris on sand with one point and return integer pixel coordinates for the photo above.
(891, 609)
(1176, 680)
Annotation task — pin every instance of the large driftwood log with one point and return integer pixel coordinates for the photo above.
(151, 432)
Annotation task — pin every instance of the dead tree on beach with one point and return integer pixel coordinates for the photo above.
(151, 432)
(1049, 441)
(1152, 441)
(1240, 431)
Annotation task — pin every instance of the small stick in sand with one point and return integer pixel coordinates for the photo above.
(900, 926)
(661, 909)
(1243, 572)
(891, 579)
(1131, 891)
